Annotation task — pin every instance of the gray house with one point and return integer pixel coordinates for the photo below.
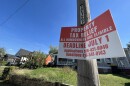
(105, 65)
(23, 55)
(22, 52)
(12, 59)
(127, 51)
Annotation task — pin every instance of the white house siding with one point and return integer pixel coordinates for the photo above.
(23, 60)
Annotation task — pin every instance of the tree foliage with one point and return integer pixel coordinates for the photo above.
(2, 52)
(53, 50)
(37, 58)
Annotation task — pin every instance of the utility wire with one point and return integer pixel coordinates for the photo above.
(10, 16)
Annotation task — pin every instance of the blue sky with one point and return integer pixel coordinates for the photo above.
(37, 24)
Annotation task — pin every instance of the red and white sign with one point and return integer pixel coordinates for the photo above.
(96, 39)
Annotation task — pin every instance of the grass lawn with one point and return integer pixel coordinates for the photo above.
(64, 75)
(68, 76)
(113, 80)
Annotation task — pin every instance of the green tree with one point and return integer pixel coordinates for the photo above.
(53, 50)
(38, 58)
(2, 52)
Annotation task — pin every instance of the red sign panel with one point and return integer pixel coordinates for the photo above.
(96, 39)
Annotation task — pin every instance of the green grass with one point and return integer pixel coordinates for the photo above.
(113, 80)
(3, 63)
(64, 75)
(1, 69)
(68, 76)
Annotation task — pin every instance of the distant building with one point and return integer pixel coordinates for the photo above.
(23, 55)
(11, 59)
(105, 65)
(127, 51)
(22, 52)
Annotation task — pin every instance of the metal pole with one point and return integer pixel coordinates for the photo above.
(87, 69)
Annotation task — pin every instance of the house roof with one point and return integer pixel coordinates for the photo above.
(9, 56)
(22, 52)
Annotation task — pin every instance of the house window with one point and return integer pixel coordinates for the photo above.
(62, 60)
(108, 60)
(99, 60)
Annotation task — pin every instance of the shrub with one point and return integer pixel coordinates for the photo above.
(3, 63)
(5, 75)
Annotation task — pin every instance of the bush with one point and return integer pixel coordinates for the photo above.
(12, 68)
(5, 75)
(22, 66)
(3, 63)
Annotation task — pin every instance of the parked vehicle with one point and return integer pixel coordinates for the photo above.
(54, 60)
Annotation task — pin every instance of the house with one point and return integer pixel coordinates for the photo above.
(23, 60)
(106, 65)
(12, 59)
(127, 52)
(23, 54)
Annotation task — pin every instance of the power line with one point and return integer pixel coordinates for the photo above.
(10, 16)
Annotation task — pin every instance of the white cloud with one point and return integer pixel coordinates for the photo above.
(10, 49)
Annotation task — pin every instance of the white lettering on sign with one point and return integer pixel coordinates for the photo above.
(91, 31)
(77, 30)
(96, 39)
(90, 25)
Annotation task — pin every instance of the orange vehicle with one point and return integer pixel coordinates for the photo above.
(49, 60)
(54, 60)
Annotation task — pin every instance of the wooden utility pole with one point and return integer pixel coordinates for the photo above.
(87, 69)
